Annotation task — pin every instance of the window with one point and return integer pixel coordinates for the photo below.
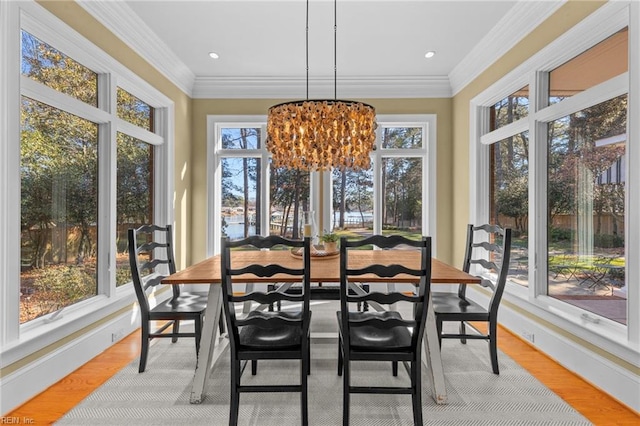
(54, 69)
(510, 109)
(90, 152)
(575, 195)
(245, 172)
(251, 197)
(135, 182)
(134, 196)
(586, 208)
(596, 65)
(393, 189)
(59, 209)
(509, 198)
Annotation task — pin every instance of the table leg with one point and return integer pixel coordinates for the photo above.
(433, 358)
(207, 344)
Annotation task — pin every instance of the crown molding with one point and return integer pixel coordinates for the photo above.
(120, 19)
(523, 18)
(515, 25)
(295, 87)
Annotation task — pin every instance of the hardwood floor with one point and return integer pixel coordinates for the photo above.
(595, 405)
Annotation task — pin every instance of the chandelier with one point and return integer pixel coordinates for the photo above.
(321, 134)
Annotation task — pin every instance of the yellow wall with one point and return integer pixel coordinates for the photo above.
(562, 20)
(77, 18)
(203, 107)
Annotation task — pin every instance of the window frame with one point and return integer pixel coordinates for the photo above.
(610, 18)
(19, 340)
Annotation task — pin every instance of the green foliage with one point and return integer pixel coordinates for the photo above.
(123, 275)
(608, 241)
(60, 286)
(329, 237)
(560, 234)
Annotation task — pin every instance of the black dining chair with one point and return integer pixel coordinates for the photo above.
(150, 247)
(489, 247)
(261, 334)
(384, 335)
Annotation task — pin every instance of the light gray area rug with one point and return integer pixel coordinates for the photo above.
(160, 396)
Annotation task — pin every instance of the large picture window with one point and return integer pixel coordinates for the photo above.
(91, 158)
(556, 163)
(59, 206)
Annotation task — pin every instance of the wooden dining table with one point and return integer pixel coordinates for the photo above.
(324, 269)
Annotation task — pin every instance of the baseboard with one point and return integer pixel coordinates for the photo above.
(29, 381)
(621, 384)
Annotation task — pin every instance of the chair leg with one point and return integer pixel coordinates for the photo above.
(416, 396)
(234, 404)
(463, 331)
(394, 368)
(308, 354)
(254, 367)
(493, 347)
(340, 359)
(345, 392)
(304, 396)
(144, 348)
(176, 330)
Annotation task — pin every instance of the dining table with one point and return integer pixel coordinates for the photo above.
(324, 269)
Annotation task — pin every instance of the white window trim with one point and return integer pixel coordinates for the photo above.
(428, 124)
(611, 17)
(215, 123)
(16, 340)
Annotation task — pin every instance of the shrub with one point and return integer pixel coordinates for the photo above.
(608, 241)
(60, 286)
(560, 234)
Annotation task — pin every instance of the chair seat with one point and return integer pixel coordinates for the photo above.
(273, 339)
(451, 304)
(187, 303)
(369, 338)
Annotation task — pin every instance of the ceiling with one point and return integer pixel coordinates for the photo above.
(261, 44)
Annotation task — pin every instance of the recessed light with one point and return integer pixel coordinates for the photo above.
(214, 55)
(430, 54)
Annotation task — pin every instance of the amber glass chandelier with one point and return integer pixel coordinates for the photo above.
(321, 134)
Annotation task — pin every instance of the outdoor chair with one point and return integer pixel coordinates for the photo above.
(489, 247)
(151, 247)
(385, 335)
(267, 335)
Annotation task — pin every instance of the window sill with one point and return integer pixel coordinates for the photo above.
(38, 334)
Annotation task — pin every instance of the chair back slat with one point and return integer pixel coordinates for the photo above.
(382, 323)
(153, 264)
(418, 300)
(266, 270)
(488, 246)
(486, 264)
(152, 281)
(266, 322)
(267, 298)
(382, 298)
(384, 271)
(271, 320)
